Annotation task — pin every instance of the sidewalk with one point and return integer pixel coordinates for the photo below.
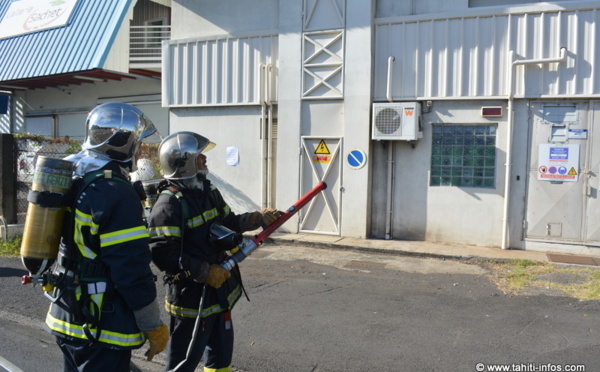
(428, 249)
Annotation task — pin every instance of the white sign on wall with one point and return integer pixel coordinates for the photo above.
(25, 16)
(558, 162)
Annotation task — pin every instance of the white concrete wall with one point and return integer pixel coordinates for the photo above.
(230, 126)
(239, 128)
(467, 215)
(356, 119)
(289, 106)
(394, 8)
(217, 17)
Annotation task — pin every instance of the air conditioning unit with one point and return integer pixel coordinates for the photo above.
(397, 121)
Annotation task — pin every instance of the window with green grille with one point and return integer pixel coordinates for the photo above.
(463, 155)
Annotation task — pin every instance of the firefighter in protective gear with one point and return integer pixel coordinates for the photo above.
(104, 301)
(201, 294)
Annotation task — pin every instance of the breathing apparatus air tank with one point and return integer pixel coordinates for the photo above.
(52, 180)
(151, 190)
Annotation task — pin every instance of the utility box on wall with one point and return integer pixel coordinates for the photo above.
(397, 121)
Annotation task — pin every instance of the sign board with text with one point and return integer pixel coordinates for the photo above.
(26, 16)
(558, 162)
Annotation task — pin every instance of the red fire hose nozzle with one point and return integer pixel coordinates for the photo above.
(250, 245)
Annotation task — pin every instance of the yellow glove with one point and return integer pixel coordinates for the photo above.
(217, 276)
(269, 215)
(158, 339)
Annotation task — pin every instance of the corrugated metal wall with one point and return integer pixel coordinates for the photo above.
(219, 71)
(82, 45)
(468, 56)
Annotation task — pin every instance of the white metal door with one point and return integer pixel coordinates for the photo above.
(321, 161)
(557, 203)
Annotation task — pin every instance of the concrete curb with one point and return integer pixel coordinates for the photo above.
(386, 251)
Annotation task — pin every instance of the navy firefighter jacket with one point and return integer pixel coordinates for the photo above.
(172, 220)
(110, 241)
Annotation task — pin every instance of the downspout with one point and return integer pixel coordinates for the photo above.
(390, 161)
(269, 185)
(263, 136)
(390, 186)
(509, 134)
(390, 70)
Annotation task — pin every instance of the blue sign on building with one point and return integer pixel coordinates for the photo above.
(356, 159)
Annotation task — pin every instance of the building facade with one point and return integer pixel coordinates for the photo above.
(468, 122)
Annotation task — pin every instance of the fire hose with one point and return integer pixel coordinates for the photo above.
(249, 245)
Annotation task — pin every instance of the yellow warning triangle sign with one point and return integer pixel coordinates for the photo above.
(572, 171)
(322, 148)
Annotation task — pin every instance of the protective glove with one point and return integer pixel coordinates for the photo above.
(269, 215)
(158, 339)
(261, 218)
(194, 269)
(217, 276)
(148, 321)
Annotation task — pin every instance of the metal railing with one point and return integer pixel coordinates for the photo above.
(145, 44)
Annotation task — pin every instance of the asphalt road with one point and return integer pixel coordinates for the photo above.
(319, 310)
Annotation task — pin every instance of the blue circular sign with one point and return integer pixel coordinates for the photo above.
(356, 159)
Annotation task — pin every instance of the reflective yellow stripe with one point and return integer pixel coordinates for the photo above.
(226, 369)
(195, 221)
(203, 218)
(226, 211)
(193, 313)
(113, 338)
(165, 230)
(186, 312)
(83, 220)
(87, 251)
(181, 311)
(123, 236)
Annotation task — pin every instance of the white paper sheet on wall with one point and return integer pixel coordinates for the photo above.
(233, 156)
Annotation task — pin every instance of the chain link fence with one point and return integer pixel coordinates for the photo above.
(30, 148)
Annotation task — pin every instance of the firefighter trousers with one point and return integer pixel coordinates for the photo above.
(214, 342)
(79, 356)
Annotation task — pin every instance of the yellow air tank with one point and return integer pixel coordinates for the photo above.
(52, 180)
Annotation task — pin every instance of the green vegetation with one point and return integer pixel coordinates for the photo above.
(10, 248)
(74, 146)
(517, 275)
(32, 137)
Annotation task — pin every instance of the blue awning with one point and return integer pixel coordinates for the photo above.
(81, 46)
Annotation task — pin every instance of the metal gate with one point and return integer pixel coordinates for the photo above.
(562, 197)
(321, 161)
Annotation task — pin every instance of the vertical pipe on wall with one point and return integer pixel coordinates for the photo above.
(269, 132)
(509, 133)
(390, 144)
(390, 187)
(390, 68)
(263, 135)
